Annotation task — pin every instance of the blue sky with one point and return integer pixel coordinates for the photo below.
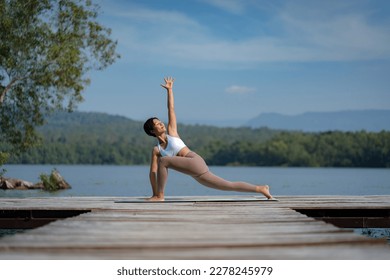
(235, 59)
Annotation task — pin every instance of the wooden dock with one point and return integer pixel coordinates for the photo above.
(220, 227)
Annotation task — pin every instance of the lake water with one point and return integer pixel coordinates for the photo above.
(97, 180)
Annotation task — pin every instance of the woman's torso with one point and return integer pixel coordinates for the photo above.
(174, 147)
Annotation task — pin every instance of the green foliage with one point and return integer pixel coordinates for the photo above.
(46, 50)
(49, 182)
(3, 159)
(327, 149)
(92, 138)
(52, 182)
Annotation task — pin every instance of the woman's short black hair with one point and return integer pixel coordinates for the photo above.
(149, 126)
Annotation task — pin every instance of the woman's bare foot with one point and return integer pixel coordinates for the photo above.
(265, 191)
(156, 198)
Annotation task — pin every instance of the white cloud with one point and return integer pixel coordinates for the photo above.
(336, 37)
(231, 6)
(235, 89)
(162, 17)
(308, 33)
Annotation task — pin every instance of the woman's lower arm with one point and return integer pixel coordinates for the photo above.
(153, 182)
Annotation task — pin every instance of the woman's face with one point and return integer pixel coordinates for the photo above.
(158, 127)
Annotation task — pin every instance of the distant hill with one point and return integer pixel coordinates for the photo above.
(98, 138)
(356, 120)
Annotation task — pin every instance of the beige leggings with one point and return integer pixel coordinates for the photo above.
(194, 165)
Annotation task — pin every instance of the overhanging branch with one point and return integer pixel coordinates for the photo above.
(8, 87)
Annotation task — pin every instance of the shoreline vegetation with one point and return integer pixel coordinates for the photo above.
(97, 138)
(52, 182)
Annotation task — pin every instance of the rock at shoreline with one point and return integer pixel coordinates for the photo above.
(56, 182)
(16, 184)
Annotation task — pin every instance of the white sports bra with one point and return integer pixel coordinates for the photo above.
(174, 146)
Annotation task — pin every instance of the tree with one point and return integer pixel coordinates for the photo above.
(46, 50)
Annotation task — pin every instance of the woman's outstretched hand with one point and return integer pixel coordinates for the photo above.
(168, 83)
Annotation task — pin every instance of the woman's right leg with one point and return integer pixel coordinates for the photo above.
(192, 164)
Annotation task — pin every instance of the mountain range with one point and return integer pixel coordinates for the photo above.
(354, 120)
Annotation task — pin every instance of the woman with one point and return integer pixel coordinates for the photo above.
(171, 152)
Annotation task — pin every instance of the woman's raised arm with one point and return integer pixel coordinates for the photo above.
(172, 123)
